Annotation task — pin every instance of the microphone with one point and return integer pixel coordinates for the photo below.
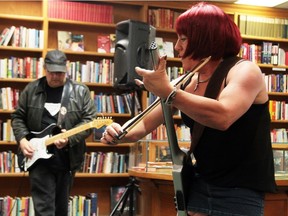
(154, 53)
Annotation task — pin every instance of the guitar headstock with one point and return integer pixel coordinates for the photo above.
(101, 121)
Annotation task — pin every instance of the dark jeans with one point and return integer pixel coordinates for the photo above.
(221, 201)
(50, 190)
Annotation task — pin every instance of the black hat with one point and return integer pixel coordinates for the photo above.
(55, 61)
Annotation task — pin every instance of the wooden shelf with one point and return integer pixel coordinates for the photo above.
(116, 115)
(22, 49)
(281, 180)
(16, 80)
(101, 175)
(98, 144)
(22, 18)
(281, 146)
(274, 66)
(88, 53)
(250, 37)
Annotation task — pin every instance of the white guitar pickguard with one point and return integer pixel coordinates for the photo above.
(40, 151)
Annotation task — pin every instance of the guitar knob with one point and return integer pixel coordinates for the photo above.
(175, 203)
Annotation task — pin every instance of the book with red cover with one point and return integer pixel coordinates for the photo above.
(103, 43)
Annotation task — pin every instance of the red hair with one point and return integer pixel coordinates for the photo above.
(210, 32)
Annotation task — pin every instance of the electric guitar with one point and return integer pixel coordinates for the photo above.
(182, 171)
(40, 140)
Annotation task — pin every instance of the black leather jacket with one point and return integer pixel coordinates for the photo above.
(80, 109)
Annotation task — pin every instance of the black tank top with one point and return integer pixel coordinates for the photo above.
(241, 156)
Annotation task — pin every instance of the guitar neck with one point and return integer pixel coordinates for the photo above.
(176, 153)
(68, 133)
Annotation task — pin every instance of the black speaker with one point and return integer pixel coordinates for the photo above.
(131, 49)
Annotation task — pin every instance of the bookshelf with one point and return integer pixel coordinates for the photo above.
(35, 15)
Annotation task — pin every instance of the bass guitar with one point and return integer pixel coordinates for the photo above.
(40, 140)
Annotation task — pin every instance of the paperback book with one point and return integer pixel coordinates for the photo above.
(70, 41)
(103, 44)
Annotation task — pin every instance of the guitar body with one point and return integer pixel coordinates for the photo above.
(39, 153)
(182, 178)
(40, 140)
(37, 140)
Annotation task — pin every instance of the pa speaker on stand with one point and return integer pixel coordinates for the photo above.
(131, 49)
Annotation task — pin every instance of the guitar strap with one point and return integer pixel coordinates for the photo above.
(212, 91)
(68, 87)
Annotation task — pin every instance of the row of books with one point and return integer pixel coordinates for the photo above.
(265, 53)
(160, 133)
(7, 162)
(278, 110)
(112, 103)
(6, 131)
(104, 103)
(94, 162)
(280, 161)
(21, 36)
(105, 162)
(276, 82)
(263, 26)
(279, 135)
(80, 205)
(80, 11)
(162, 18)
(16, 67)
(16, 206)
(90, 71)
(9, 98)
(32, 68)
